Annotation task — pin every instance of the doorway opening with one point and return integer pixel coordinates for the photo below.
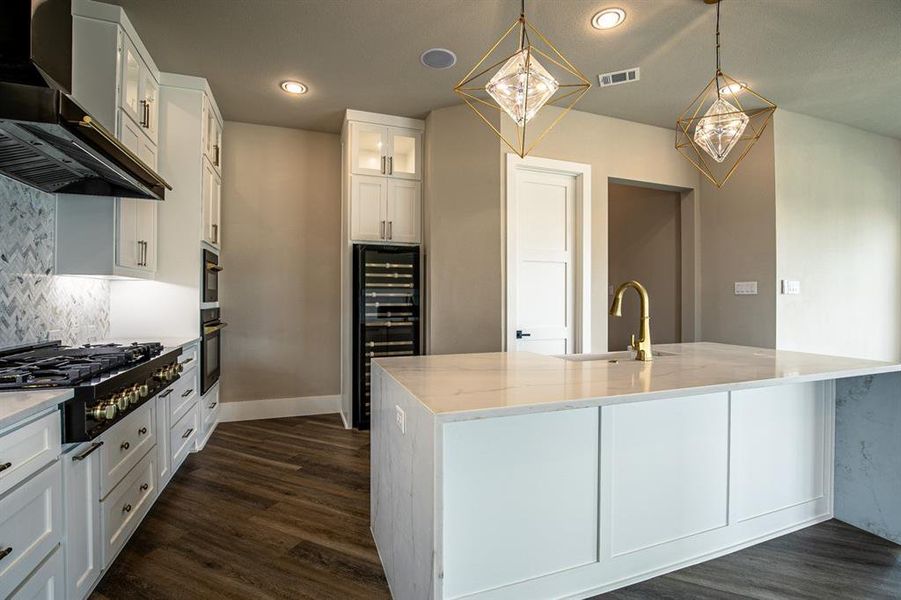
(647, 242)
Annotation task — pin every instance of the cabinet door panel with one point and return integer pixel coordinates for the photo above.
(207, 202)
(128, 253)
(368, 197)
(147, 235)
(403, 211)
(405, 152)
(130, 99)
(81, 473)
(216, 210)
(149, 103)
(369, 149)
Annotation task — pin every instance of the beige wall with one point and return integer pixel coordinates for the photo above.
(738, 243)
(838, 217)
(615, 149)
(645, 245)
(280, 287)
(462, 234)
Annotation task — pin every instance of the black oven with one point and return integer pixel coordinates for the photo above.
(211, 271)
(210, 348)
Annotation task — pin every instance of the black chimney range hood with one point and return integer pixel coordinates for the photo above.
(47, 140)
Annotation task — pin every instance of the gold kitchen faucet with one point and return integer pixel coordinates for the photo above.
(643, 346)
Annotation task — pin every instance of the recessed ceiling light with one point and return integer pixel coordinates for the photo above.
(608, 18)
(733, 88)
(438, 58)
(294, 87)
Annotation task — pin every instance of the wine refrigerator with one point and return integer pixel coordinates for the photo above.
(386, 320)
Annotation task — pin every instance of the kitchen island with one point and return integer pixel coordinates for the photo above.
(514, 475)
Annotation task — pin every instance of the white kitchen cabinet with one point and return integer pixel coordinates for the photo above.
(210, 408)
(182, 436)
(81, 482)
(368, 207)
(150, 93)
(385, 151)
(212, 205)
(47, 581)
(212, 135)
(27, 448)
(164, 464)
(132, 70)
(122, 511)
(403, 211)
(136, 235)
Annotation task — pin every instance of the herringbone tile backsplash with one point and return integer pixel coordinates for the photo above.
(34, 302)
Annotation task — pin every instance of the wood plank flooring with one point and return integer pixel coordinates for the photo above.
(279, 509)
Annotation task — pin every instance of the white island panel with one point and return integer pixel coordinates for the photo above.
(520, 498)
(670, 471)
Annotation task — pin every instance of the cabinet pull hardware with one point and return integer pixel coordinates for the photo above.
(215, 233)
(125, 446)
(126, 508)
(144, 114)
(142, 431)
(187, 433)
(384, 159)
(212, 406)
(5, 552)
(216, 148)
(187, 393)
(166, 394)
(390, 165)
(5, 466)
(381, 230)
(187, 361)
(390, 230)
(144, 487)
(85, 454)
(520, 334)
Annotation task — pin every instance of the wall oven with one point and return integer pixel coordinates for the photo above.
(210, 283)
(210, 349)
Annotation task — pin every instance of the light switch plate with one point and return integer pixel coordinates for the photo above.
(400, 417)
(745, 288)
(791, 287)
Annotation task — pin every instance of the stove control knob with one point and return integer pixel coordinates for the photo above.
(170, 373)
(123, 400)
(104, 412)
(135, 394)
(179, 368)
(144, 390)
(160, 375)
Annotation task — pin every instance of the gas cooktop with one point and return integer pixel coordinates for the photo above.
(53, 365)
(109, 380)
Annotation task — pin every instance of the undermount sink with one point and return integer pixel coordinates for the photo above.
(612, 356)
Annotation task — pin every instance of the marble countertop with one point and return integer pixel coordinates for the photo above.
(466, 386)
(168, 342)
(19, 405)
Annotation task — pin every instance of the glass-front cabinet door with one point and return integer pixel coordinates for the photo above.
(405, 153)
(369, 149)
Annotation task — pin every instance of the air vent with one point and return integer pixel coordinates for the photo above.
(618, 77)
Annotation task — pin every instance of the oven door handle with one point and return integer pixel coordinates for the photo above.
(213, 267)
(210, 329)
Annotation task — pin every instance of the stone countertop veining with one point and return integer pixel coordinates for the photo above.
(21, 404)
(467, 386)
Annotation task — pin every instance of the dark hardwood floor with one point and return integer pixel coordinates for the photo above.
(279, 509)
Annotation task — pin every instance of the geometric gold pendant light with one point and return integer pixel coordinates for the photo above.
(722, 123)
(519, 81)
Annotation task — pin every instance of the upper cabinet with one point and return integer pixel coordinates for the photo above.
(212, 136)
(385, 151)
(383, 178)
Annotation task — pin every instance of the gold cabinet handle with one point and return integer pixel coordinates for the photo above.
(215, 233)
(390, 165)
(390, 230)
(384, 158)
(5, 552)
(5, 466)
(381, 230)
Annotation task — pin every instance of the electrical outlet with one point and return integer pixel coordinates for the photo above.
(791, 287)
(745, 288)
(400, 417)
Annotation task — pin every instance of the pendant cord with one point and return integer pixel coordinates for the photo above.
(718, 71)
(523, 37)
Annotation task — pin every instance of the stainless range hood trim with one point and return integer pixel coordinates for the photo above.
(90, 123)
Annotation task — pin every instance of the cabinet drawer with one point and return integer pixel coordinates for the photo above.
(27, 449)
(47, 582)
(189, 357)
(184, 394)
(30, 526)
(123, 509)
(182, 436)
(210, 407)
(125, 444)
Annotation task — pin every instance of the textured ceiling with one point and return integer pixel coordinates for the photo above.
(835, 59)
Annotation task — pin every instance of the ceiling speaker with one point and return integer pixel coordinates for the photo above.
(438, 58)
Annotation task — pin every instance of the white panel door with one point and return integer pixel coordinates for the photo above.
(667, 465)
(81, 480)
(132, 65)
(542, 223)
(778, 448)
(368, 149)
(150, 92)
(129, 252)
(368, 208)
(207, 201)
(402, 212)
(520, 498)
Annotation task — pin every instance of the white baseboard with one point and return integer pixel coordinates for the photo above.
(344, 419)
(276, 408)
